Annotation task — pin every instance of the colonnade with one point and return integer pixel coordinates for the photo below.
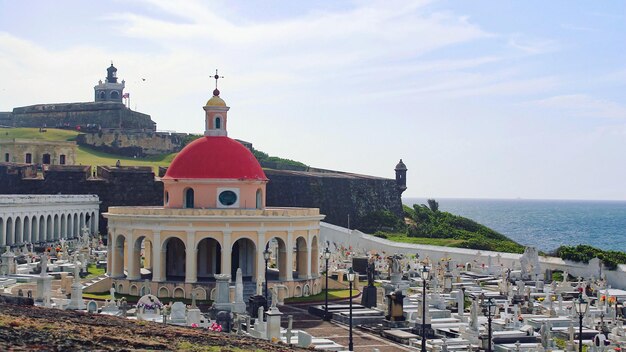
(21, 228)
(195, 256)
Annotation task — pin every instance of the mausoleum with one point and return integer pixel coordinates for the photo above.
(213, 221)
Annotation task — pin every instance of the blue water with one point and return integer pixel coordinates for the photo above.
(545, 224)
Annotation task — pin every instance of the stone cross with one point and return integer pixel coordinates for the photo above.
(112, 292)
(193, 299)
(44, 264)
(274, 296)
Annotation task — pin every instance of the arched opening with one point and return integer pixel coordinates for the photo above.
(29, 158)
(164, 292)
(18, 230)
(278, 259)
(82, 224)
(3, 240)
(244, 257)
(34, 235)
(175, 258)
(218, 123)
(300, 259)
(209, 259)
(102, 95)
(26, 232)
(9, 232)
(315, 266)
(167, 198)
(63, 226)
(142, 259)
(115, 95)
(92, 223)
(179, 293)
(259, 199)
(42, 229)
(56, 227)
(119, 256)
(75, 226)
(49, 232)
(188, 198)
(45, 159)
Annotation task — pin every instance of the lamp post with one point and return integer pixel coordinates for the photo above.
(326, 257)
(266, 256)
(581, 307)
(425, 274)
(351, 278)
(491, 312)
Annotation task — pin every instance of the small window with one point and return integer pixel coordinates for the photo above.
(167, 198)
(218, 123)
(259, 199)
(29, 158)
(62, 159)
(103, 95)
(46, 159)
(228, 198)
(115, 95)
(6, 157)
(189, 198)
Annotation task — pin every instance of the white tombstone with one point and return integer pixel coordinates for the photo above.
(77, 291)
(239, 306)
(178, 314)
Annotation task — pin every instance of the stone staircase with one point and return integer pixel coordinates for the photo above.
(93, 282)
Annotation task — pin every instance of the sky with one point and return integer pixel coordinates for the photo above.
(480, 99)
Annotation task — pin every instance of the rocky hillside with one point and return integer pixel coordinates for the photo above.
(27, 328)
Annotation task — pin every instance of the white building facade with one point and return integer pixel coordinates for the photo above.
(46, 218)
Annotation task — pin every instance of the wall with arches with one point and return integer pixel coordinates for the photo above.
(46, 218)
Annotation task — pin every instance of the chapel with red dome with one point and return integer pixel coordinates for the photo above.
(213, 223)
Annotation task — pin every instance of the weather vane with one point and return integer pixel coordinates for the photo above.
(217, 76)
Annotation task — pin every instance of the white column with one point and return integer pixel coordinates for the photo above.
(131, 258)
(191, 255)
(109, 253)
(289, 249)
(156, 257)
(226, 253)
(260, 261)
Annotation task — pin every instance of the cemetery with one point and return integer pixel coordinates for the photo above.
(408, 300)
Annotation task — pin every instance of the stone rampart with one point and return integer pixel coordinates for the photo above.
(138, 144)
(105, 114)
(337, 195)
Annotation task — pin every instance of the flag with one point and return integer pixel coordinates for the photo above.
(126, 95)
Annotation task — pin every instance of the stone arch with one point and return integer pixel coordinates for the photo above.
(134, 291)
(64, 226)
(213, 294)
(42, 229)
(163, 292)
(49, 230)
(120, 288)
(297, 291)
(3, 240)
(179, 292)
(218, 122)
(141, 257)
(82, 223)
(200, 293)
(244, 256)
(102, 95)
(300, 258)
(18, 229)
(26, 231)
(9, 231)
(175, 259)
(188, 198)
(56, 225)
(119, 255)
(76, 226)
(316, 288)
(209, 258)
(306, 290)
(115, 95)
(259, 198)
(315, 257)
(34, 234)
(278, 259)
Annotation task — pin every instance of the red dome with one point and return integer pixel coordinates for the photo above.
(215, 157)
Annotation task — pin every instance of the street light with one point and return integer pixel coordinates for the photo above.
(351, 278)
(266, 256)
(491, 312)
(327, 257)
(581, 307)
(425, 274)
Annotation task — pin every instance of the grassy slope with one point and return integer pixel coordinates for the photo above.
(85, 156)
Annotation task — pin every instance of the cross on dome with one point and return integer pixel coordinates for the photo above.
(216, 92)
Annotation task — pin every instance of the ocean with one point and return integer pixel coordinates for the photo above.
(545, 224)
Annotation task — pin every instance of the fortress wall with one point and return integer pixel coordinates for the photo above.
(105, 114)
(338, 195)
(133, 144)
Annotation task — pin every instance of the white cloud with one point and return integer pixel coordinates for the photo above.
(582, 105)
